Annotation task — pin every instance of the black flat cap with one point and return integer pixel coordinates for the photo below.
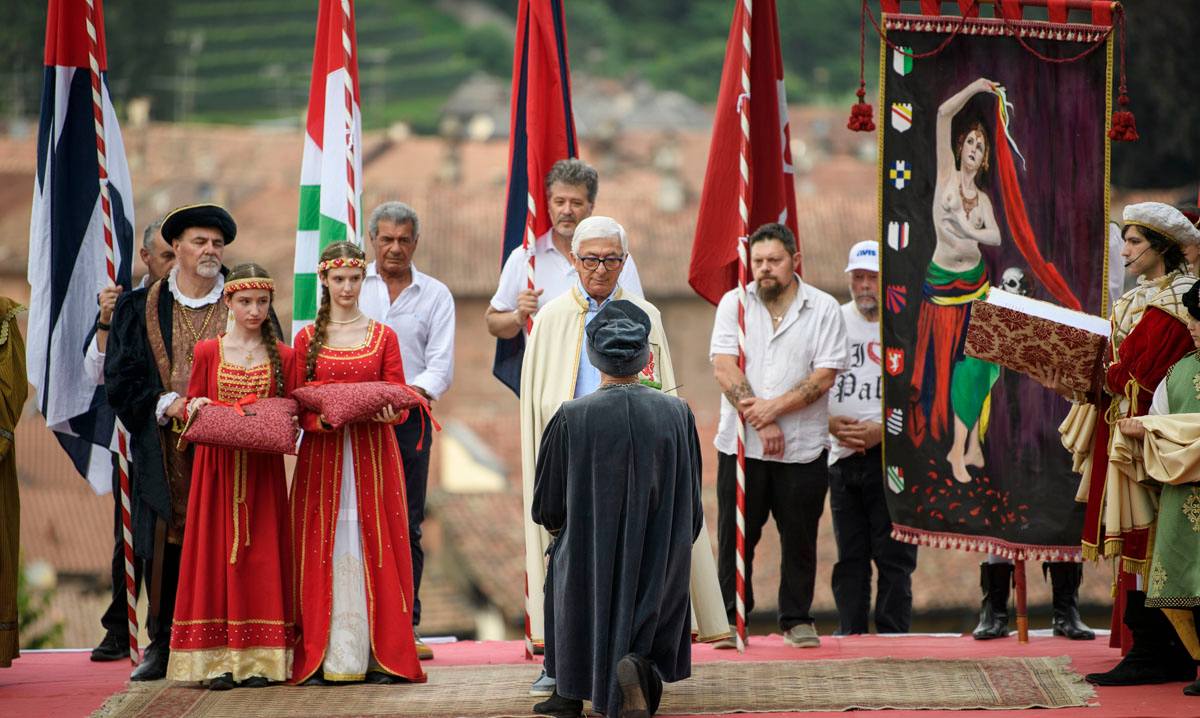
(618, 339)
(198, 215)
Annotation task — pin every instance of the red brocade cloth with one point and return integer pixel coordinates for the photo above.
(347, 402)
(382, 514)
(233, 613)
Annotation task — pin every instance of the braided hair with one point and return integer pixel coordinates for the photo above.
(250, 270)
(347, 250)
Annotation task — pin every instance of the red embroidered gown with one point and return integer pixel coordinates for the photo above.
(233, 613)
(350, 529)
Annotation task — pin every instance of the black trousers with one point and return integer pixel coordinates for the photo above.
(863, 531)
(115, 619)
(159, 629)
(416, 480)
(795, 495)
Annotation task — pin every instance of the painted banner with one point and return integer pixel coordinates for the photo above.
(993, 177)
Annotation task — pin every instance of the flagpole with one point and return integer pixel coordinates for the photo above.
(111, 267)
(743, 107)
(351, 195)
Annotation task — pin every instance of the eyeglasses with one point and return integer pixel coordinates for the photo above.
(612, 264)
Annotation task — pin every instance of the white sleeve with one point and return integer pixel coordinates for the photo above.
(164, 403)
(1159, 404)
(93, 362)
(512, 278)
(630, 281)
(725, 330)
(832, 346)
(439, 350)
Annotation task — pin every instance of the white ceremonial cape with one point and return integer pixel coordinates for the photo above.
(548, 374)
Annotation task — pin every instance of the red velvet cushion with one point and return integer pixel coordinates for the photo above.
(267, 426)
(346, 403)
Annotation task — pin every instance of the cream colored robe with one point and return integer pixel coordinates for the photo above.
(548, 374)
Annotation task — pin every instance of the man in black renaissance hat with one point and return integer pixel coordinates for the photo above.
(146, 372)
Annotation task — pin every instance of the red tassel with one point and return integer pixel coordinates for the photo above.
(862, 116)
(1123, 127)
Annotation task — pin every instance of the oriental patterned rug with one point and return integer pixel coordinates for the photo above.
(501, 691)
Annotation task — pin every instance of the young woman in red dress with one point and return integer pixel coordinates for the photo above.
(352, 570)
(233, 614)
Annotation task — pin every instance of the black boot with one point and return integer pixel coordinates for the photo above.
(558, 707)
(1064, 586)
(112, 648)
(1157, 655)
(994, 580)
(154, 662)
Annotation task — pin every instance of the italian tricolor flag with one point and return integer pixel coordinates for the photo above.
(331, 174)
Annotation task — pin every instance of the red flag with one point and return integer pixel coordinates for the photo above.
(771, 195)
(541, 132)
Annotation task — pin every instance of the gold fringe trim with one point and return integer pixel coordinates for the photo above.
(274, 664)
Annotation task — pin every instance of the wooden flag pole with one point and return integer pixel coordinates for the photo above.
(111, 266)
(1022, 614)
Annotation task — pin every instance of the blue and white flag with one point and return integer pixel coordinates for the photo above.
(67, 248)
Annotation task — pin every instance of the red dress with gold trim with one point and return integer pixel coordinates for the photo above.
(233, 612)
(364, 458)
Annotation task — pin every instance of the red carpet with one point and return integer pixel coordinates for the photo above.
(68, 685)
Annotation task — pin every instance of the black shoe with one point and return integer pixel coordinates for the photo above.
(1064, 583)
(633, 689)
(223, 682)
(994, 580)
(112, 648)
(1192, 689)
(559, 707)
(316, 679)
(380, 678)
(1157, 654)
(254, 682)
(154, 663)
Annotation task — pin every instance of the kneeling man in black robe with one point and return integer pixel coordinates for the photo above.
(618, 486)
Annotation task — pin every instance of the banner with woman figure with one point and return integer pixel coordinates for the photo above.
(993, 177)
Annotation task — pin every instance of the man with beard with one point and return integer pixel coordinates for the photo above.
(571, 187)
(159, 257)
(861, 524)
(795, 347)
(146, 372)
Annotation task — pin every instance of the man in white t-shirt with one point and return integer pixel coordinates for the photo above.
(861, 524)
(571, 187)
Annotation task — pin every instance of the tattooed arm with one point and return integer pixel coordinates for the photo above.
(734, 384)
(808, 390)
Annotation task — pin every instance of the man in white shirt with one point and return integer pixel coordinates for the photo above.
(861, 524)
(159, 257)
(795, 346)
(571, 187)
(420, 310)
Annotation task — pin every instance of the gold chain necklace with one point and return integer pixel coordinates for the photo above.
(347, 321)
(187, 322)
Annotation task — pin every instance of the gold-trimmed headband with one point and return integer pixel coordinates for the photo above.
(237, 285)
(340, 262)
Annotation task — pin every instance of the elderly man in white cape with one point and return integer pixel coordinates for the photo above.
(556, 368)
